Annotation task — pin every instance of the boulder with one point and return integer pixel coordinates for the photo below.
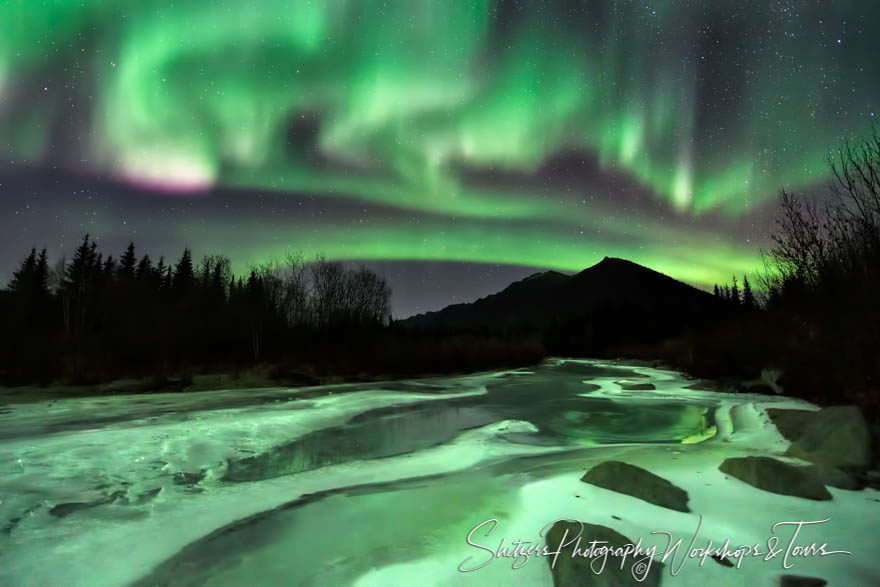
(639, 483)
(65, 509)
(771, 376)
(834, 477)
(837, 436)
(571, 570)
(630, 385)
(872, 479)
(790, 423)
(758, 386)
(800, 581)
(189, 479)
(729, 385)
(776, 477)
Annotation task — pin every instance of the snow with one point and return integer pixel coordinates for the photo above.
(404, 518)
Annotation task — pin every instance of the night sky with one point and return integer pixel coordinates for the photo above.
(452, 145)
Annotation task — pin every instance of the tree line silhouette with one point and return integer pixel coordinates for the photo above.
(815, 315)
(819, 307)
(93, 316)
(93, 319)
(823, 272)
(731, 293)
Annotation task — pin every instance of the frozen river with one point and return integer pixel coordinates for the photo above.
(380, 484)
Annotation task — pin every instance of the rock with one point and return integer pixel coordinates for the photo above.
(571, 570)
(872, 478)
(729, 385)
(799, 581)
(834, 477)
(184, 478)
(639, 483)
(702, 385)
(65, 509)
(628, 385)
(790, 423)
(143, 497)
(122, 386)
(836, 436)
(724, 562)
(771, 376)
(758, 386)
(776, 477)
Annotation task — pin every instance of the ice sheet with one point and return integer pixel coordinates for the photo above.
(109, 491)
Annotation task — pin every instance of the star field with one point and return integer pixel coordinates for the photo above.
(477, 135)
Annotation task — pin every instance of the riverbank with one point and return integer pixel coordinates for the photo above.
(314, 485)
(260, 377)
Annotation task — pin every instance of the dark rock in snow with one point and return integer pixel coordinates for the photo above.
(639, 483)
(65, 509)
(800, 581)
(872, 479)
(635, 385)
(837, 436)
(724, 562)
(776, 477)
(834, 477)
(568, 570)
(144, 496)
(790, 423)
(183, 478)
(758, 387)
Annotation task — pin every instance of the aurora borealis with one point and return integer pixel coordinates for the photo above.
(530, 134)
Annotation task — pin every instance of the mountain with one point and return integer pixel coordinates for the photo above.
(615, 297)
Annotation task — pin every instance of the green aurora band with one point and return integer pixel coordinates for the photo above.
(709, 108)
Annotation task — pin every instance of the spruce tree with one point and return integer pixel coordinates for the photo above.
(183, 273)
(159, 274)
(77, 285)
(22, 279)
(109, 268)
(748, 296)
(41, 274)
(145, 268)
(127, 263)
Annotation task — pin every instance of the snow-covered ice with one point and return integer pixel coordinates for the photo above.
(376, 484)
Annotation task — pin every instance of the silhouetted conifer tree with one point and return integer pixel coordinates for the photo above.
(129, 318)
(23, 278)
(183, 273)
(159, 274)
(109, 269)
(144, 269)
(127, 263)
(748, 297)
(79, 278)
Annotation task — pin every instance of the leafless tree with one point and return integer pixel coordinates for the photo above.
(296, 293)
(56, 274)
(826, 245)
(369, 296)
(328, 290)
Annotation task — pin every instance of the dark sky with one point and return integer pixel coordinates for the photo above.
(453, 146)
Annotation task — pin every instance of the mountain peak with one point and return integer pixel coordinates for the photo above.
(614, 261)
(552, 297)
(613, 264)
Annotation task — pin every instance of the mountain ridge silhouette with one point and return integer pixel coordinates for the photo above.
(549, 297)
